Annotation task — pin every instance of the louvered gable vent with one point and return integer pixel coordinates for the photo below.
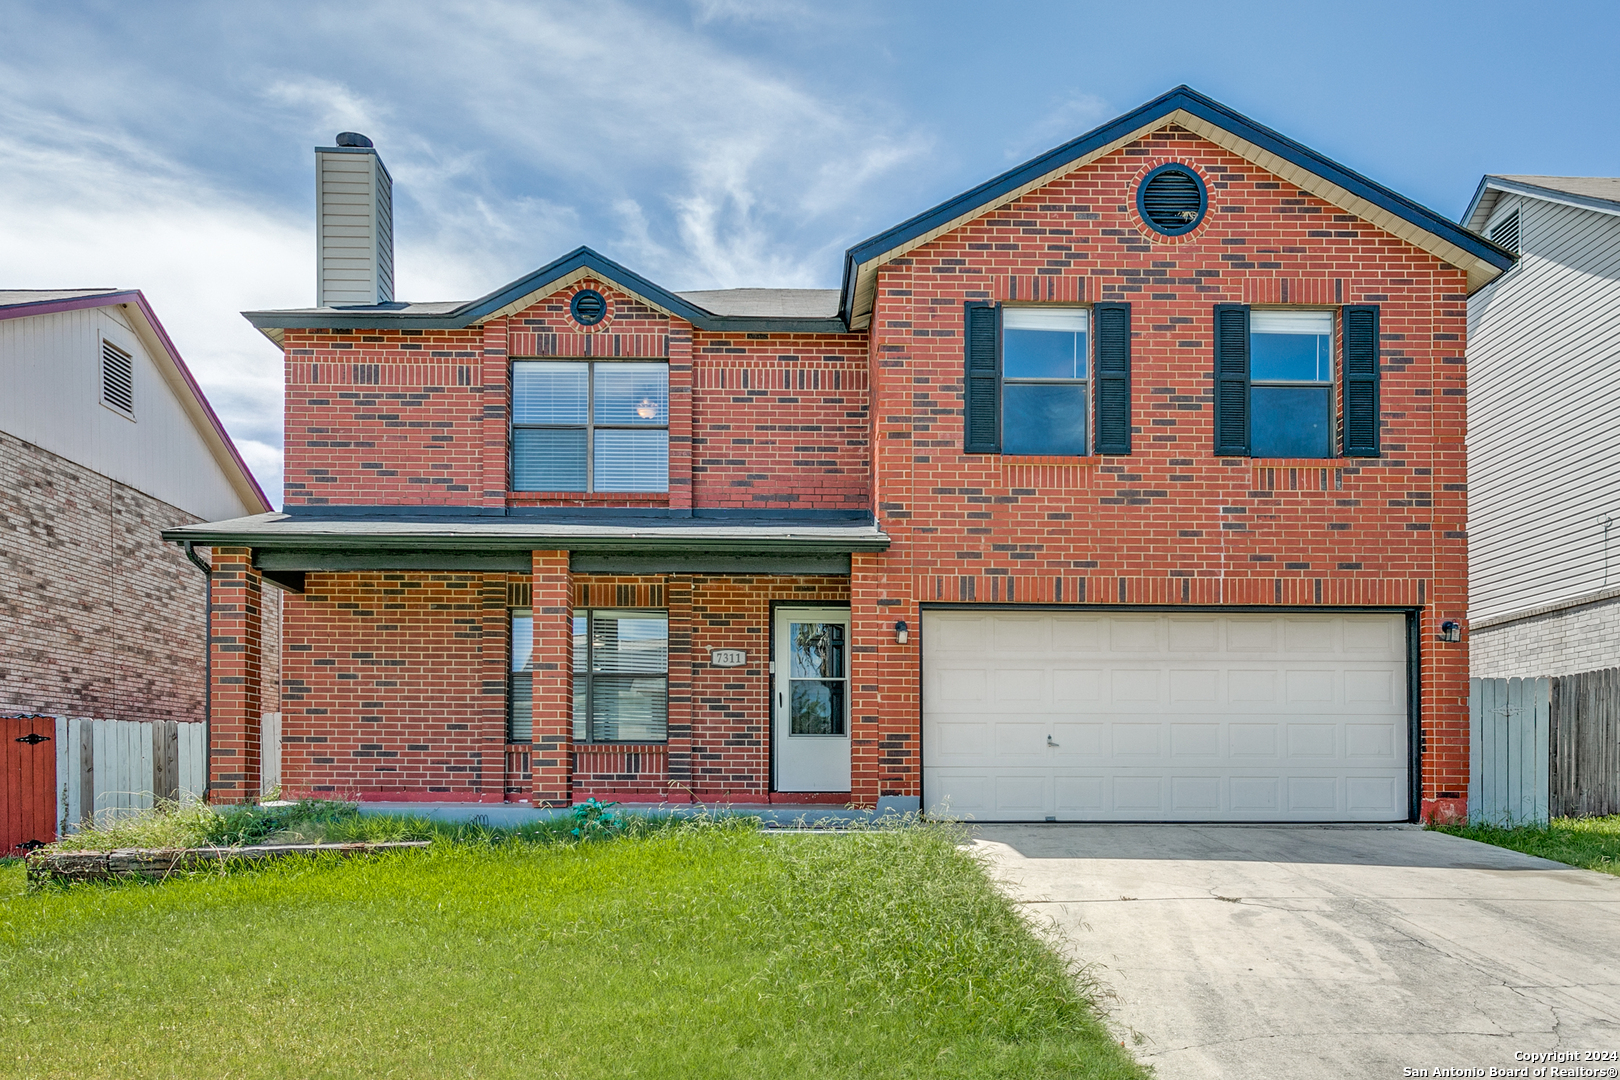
(1172, 199)
(1505, 233)
(117, 378)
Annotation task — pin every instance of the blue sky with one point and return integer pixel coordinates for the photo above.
(707, 144)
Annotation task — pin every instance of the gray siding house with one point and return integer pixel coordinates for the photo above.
(1544, 429)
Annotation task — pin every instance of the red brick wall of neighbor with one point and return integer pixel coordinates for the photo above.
(98, 616)
(1170, 524)
(394, 687)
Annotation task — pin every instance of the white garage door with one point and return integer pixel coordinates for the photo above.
(1031, 716)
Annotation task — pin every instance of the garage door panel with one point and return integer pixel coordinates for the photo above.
(1167, 717)
(1022, 794)
(1021, 636)
(1076, 685)
(1021, 742)
(1019, 685)
(1134, 685)
(1194, 686)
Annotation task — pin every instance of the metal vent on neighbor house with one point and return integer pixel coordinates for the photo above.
(1172, 199)
(117, 378)
(1505, 233)
(589, 307)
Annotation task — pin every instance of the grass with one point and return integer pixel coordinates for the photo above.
(1591, 843)
(675, 950)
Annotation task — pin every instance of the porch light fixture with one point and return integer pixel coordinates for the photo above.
(902, 632)
(1450, 630)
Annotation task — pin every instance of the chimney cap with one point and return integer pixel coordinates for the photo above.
(352, 138)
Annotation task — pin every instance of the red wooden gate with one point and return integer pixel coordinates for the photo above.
(27, 783)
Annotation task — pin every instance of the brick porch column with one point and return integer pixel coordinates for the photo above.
(678, 595)
(553, 605)
(235, 639)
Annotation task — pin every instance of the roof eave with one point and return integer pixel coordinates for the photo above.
(580, 262)
(602, 544)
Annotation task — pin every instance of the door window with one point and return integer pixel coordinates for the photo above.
(817, 682)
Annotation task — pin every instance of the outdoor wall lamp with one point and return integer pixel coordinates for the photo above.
(1450, 630)
(902, 632)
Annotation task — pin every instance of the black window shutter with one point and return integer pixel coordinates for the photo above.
(982, 385)
(1113, 378)
(1361, 381)
(1231, 380)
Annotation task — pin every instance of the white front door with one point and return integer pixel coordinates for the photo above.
(810, 699)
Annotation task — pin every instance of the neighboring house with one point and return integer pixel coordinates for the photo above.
(1128, 485)
(1544, 453)
(105, 441)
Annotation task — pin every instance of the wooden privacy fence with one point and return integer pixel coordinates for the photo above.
(108, 768)
(1508, 721)
(1541, 748)
(1584, 755)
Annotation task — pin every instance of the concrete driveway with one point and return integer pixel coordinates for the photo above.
(1307, 951)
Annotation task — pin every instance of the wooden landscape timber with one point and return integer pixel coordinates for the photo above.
(159, 863)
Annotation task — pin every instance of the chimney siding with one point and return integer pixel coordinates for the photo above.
(354, 227)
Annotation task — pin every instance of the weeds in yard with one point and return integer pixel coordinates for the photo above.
(1591, 843)
(677, 948)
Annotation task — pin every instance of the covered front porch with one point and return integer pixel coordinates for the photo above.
(427, 668)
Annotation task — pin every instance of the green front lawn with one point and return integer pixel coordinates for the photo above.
(1590, 843)
(684, 951)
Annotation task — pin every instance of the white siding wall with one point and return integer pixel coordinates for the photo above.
(355, 232)
(1544, 415)
(50, 395)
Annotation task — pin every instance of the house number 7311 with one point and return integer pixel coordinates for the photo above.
(728, 657)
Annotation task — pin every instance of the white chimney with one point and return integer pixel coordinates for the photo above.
(354, 228)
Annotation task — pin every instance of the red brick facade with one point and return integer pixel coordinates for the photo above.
(394, 683)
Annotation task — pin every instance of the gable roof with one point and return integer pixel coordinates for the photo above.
(23, 303)
(809, 310)
(1204, 116)
(1600, 193)
(780, 310)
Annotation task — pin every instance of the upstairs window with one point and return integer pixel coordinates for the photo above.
(1291, 384)
(621, 676)
(1275, 386)
(117, 380)
(590, 425)
(1044, 372)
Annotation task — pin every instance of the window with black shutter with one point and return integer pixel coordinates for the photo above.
(1361, 381)
(981, 384)
(1113, 378)
(1231, 380)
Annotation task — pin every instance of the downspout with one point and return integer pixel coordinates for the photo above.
(208, 666)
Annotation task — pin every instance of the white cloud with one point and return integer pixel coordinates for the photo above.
(514, 133)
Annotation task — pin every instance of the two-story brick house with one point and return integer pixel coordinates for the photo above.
(1129, 485)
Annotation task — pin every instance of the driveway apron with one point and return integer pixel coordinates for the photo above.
(1325, 951)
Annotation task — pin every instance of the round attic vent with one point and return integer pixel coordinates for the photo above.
(1172, 199)
(588, 306)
